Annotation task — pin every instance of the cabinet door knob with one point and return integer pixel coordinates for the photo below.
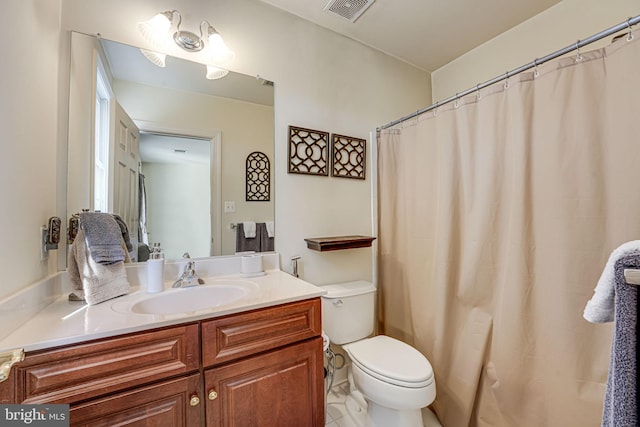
(213, 395)
(195, 400)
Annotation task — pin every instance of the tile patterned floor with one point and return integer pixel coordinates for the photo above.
(336, 415)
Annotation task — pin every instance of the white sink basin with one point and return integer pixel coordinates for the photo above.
(186, 300)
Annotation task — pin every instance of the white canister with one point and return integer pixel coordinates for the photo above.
(155, 270)
(155, 276)
(251, 265)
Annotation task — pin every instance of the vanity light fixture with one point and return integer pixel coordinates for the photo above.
(165, 26)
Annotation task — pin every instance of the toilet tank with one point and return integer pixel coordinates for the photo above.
(347, 311)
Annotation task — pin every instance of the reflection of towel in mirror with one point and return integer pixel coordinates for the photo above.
(103, 237)
(271, 229)
(249, 228)
(124, 230)
(244, 244)
(98, 282)
(266, 239)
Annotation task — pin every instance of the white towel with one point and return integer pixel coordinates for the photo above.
(249, 229)
(600, 308)
(270, 228)
(99, 282)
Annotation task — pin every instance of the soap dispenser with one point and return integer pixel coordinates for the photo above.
(155, 270)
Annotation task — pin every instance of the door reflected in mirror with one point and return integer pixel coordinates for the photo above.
(165, 148)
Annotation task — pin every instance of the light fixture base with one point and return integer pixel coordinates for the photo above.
(188, 41)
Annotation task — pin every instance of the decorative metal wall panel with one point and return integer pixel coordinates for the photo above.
(308, 151)
(349, 157)
(258, 177)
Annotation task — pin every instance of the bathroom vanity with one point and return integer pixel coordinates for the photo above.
(257, 361)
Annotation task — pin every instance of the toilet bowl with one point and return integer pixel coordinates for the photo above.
(395, 379)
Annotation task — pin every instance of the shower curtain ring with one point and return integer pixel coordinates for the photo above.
(456, 104)
(579, 55)
(435, 110)
(536, 72)
(629, 35)
(506, 80)
(478, 94)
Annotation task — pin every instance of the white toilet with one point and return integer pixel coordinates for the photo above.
(395, 379)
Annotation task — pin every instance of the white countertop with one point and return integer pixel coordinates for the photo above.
(66, 322)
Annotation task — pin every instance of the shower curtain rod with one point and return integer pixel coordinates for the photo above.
(574, 47)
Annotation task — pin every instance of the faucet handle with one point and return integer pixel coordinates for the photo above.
(186, 255)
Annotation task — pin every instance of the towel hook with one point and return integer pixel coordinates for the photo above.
(629, 35)
(578, 55)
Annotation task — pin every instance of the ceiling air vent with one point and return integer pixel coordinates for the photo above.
(348, 9)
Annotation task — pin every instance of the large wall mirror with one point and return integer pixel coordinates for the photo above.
(165, 144)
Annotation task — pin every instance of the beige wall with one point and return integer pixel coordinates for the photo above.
(245, 127)
(178, 191)
(549, 31)
(29, 117)
(323, 81)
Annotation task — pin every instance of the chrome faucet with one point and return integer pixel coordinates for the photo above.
(188, 278)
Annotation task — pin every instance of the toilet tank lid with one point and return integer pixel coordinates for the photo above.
(348, 289)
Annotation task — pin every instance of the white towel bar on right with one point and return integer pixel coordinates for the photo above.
(632, 276)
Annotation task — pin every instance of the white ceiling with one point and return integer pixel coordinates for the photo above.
(425, 33)
(155, 148)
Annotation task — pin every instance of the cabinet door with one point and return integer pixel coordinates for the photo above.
(279, 388)
(170, 403)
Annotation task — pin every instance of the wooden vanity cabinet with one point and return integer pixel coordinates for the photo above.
(278, 388)
(260, 368)
(282, 387)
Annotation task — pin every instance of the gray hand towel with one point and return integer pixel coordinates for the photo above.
(266, 242)
(621, 396)
(125, 231)
(244, 244)
(103, 237)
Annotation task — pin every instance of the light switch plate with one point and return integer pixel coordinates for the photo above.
(229, 207)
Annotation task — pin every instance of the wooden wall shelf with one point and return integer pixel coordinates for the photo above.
(323, 244)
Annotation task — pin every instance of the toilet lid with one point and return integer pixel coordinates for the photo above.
(391, 361)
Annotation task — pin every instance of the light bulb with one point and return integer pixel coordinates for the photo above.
(214, 73)
(156, 57)
(156, 29)
(218, 50)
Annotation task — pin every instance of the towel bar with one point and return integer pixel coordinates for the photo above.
(632, 276)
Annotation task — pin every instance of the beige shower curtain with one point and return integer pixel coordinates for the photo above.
(496, 217)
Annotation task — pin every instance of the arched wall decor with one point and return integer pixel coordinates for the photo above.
(258, 177)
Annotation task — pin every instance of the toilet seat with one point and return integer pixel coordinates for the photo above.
(391, 361)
